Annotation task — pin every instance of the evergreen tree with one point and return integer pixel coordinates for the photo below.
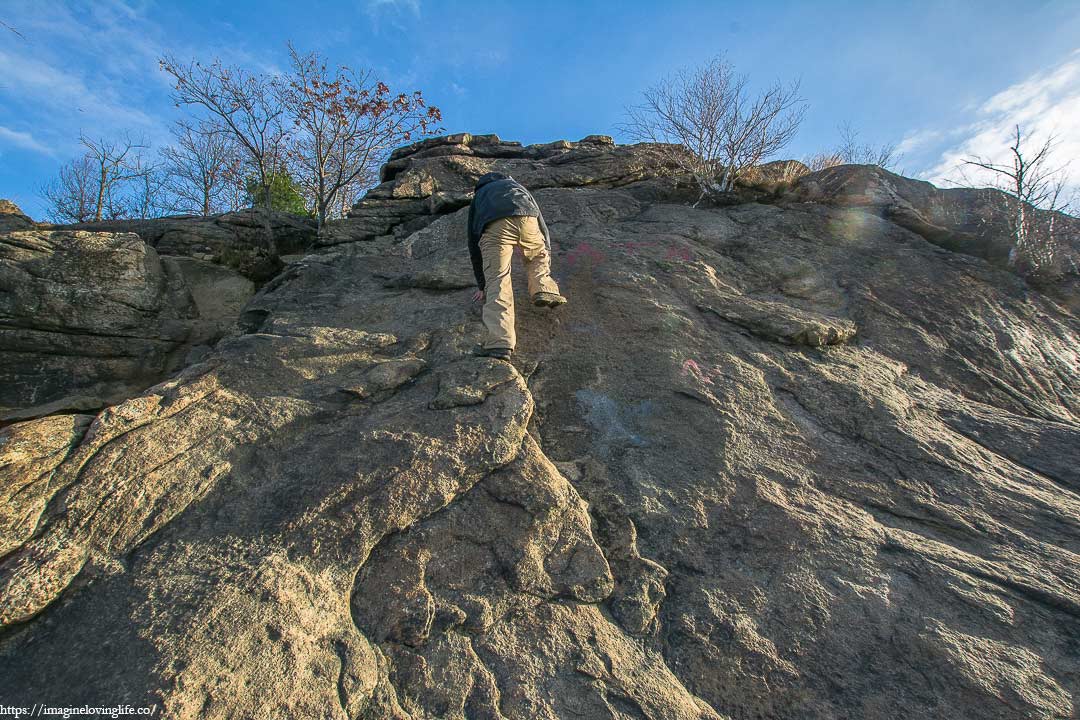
(285, 194)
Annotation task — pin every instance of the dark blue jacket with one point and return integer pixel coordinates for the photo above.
(497, 196)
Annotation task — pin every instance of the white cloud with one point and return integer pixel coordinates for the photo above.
(23, 140)
(412, 5)
(393, 9)
(918, 140)
(1046, 104)
(61, 91)
(84, 68)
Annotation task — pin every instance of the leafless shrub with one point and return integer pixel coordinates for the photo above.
(853, 152)
(850, 151)
(715, 128)
(203, 173)
(1033, 205)
(824, 161)
(98, 185)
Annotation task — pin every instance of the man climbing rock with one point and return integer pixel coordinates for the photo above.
(504, 214)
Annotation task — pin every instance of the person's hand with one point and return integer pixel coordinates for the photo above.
(478, 296)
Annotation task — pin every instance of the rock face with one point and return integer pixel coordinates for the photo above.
(12, 218)
(91, 319)
(85, 319)
(965, 220)
(237, 239)
(771, 461)
(422, 181)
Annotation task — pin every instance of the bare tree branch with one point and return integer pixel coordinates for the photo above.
(115, 162)
(12, 29)
(248, 105)
(343, 127)
(1031, 200)
(203, 169)
(716, 131)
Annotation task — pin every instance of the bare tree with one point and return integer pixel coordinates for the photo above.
(350, 193)
(852, 152)
(115, 162)
(344, 125)
(1032, 189)
(716, 129)
(202, 173)
(248, 105)
(95, 186)
(145, 193)
(71, 196)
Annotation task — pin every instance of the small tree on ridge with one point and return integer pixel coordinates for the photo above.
(710, 112)
(1032, 203)
(343, 125)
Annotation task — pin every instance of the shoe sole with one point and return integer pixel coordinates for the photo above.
(548, 303)
(497, 356)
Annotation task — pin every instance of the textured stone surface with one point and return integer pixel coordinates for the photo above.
(12, 218)
(219, 295)
(437, 175)
(85, 319)
(91, 319)
(965, 220)
(237, 239)
(771, 461)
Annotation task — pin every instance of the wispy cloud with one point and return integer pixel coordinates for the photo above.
(23, 140)
(92, 68)
(918, 140)
(1045, 104)
(83, 68)
(54, 88)
(392, 10)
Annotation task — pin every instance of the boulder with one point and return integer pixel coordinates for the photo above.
(967, 220)
(86, 319)
(12, 218)
(237, 240)
(437, 175)
(218, 292)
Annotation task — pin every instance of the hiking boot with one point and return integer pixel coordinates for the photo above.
(498, 353)
(547, 299)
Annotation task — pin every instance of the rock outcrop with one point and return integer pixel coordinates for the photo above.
(237, 239)
(430, 178)
(967, 220)
(12, 218)
(771, 461)
(86, 319)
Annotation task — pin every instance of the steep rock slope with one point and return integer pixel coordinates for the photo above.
(770, 462)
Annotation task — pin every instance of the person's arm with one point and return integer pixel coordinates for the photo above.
(544, 230)
(474, 249)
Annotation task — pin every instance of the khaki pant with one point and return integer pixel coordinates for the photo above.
(497, 248)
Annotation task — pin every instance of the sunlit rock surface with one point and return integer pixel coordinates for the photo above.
(771, 461)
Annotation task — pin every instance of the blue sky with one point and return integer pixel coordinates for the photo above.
(941, 79)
